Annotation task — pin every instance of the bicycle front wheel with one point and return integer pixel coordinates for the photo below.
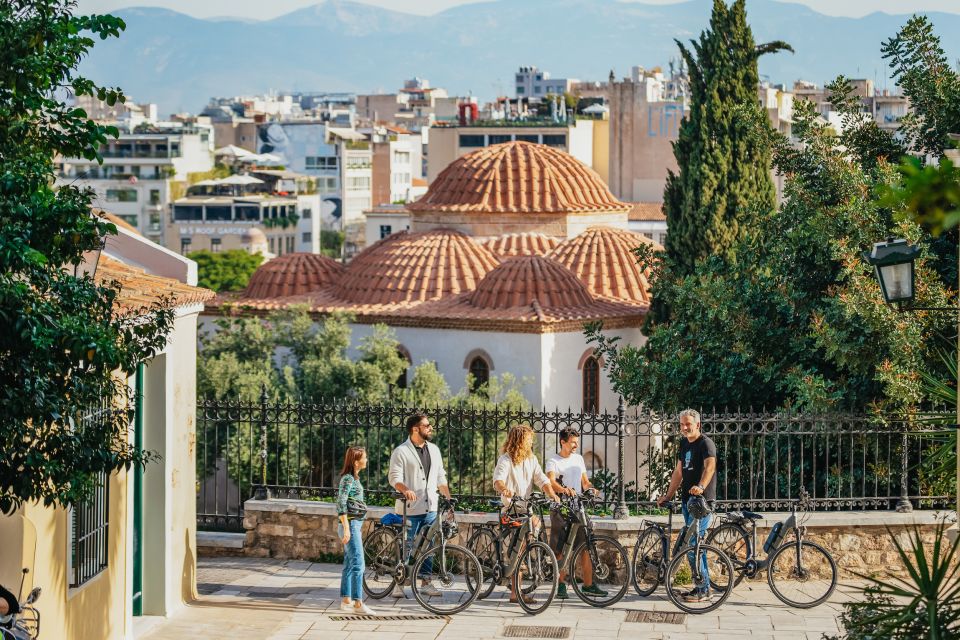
(535, 580)
(382, 556)
(648, 555)
(802, 576)
(483, 545)
(446, 579)
(701, 584)
(601, 574)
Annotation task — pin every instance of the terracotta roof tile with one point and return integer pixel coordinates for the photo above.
(518, 177)
(643, 211)
(521, 244)
(140, 290)
(415, 267)
(603, 259)
(293, 274)
(526, 280)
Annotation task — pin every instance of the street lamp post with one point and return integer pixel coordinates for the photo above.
(893, 262)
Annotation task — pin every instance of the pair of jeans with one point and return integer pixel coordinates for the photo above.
(351, 581)
(414, 524)
(702, 527)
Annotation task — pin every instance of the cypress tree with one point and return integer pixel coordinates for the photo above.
(724, 178)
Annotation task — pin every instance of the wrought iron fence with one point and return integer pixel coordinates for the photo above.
(296, 450)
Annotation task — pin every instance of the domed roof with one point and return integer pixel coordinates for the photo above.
(527, 280)
(521, 244)
(292, 274)
(518, 177)
(252, 234)
(603, 259)
(414, 267)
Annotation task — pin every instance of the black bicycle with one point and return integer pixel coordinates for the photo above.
(598, 561)
(451, 568)
(688, 585)
(512, 551)
(800, 573)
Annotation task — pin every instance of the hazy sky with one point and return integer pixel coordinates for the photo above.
(259, 9)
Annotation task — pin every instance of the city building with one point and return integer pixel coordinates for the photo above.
(142, 172)
(130, 548)
(884, 106)
(340, 160)
(416, 105)
(450, 142)
(396, 161)
(535, 84)
(275, 209)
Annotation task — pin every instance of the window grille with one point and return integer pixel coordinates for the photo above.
(89, 525)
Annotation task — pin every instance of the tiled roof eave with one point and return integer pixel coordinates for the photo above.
(624, 319)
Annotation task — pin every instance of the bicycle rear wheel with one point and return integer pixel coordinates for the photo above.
(735, 542)
(607, 568)
(802, 576)
(648, 560)
(453, 571)
(688, 593)
(535, 580)
(382, 555)
(483, 545)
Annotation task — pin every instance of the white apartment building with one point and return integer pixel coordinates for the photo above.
(339, 158)
(142, 172)
(534, 83)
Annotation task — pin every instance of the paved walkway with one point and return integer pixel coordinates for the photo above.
(291, 600)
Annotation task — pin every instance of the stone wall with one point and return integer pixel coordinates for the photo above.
(858, 541)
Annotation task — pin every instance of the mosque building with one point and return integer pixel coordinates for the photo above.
(512, 250)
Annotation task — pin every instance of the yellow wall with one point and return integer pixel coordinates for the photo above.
(37, 537)
(601, 149)
(97, 610)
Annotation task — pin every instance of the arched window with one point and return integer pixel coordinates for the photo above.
(591, 385)
(480, 370)
(401, 382)
(593, 462)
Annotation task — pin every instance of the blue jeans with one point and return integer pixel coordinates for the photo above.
(701, 533)
(414, 524)
(351, 581)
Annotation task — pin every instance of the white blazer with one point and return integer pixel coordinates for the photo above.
(405, 467)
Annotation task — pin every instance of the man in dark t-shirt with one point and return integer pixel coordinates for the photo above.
(695, 475)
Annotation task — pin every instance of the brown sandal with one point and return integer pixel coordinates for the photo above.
(526, 600)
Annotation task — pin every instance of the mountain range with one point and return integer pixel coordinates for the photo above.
(179, 62)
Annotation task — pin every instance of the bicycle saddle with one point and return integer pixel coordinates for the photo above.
(744, 515)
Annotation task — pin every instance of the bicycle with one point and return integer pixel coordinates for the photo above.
(609, 564)
(655, 562)
(450, 566)
(24, 625)
(512, 550)
(800, 573)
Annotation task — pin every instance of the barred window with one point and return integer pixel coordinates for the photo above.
(591, 385)
(88, 534)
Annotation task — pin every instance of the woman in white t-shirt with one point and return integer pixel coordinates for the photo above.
(517, 473)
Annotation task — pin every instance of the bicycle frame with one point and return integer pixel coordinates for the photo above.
(754, 563)
(524, 532)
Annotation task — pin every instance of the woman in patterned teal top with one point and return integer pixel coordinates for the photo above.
(351, 582)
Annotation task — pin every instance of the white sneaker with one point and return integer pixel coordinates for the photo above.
(397, 592)
(427, 589)
(346, 606)
(364, 609)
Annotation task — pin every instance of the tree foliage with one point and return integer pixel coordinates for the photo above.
(62, 342)
(724, 180)
(225, 271)
(797, 320)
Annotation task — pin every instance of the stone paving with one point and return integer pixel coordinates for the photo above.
(263, 599)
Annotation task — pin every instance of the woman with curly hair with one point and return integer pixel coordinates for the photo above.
(518, 471)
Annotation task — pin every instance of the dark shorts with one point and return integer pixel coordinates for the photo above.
(558, 532)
